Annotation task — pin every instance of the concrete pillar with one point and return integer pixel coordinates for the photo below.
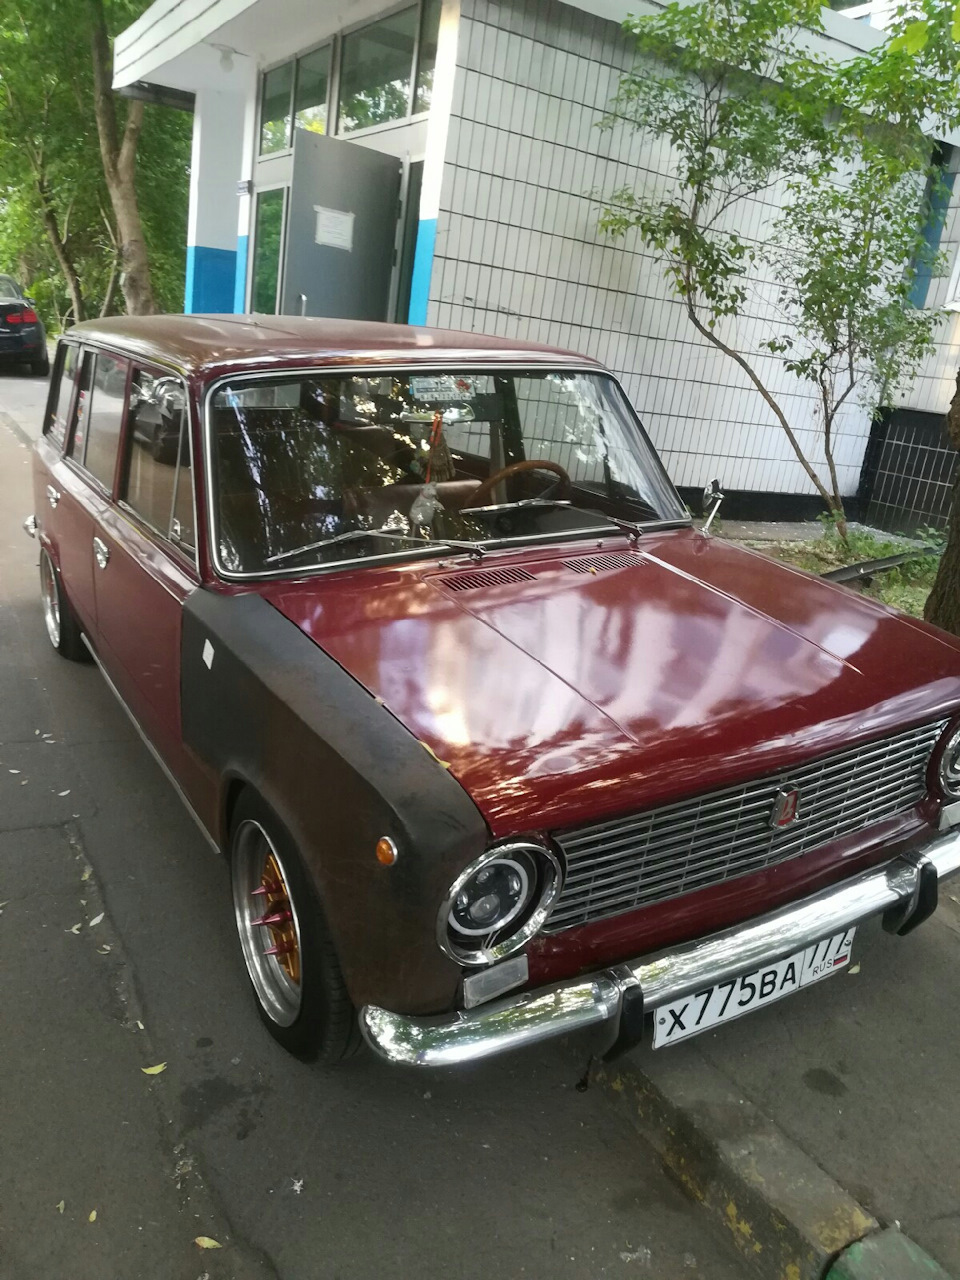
(245, 212)
(435, 151)
(215, 170)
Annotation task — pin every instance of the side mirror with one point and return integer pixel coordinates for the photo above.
(168, 394)
(712, 497)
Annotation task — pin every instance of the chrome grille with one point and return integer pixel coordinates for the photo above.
(616, 866)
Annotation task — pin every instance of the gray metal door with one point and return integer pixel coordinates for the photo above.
(341, 229)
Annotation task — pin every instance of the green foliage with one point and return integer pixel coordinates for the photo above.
(49, 155)
(830, 157)
(905, 587)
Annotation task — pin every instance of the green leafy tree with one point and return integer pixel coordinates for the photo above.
(60, 229)
(834, 154)
(929, 40)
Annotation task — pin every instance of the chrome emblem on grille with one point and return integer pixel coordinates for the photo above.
(785, 808)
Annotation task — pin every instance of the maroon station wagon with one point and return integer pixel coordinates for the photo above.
(498, 744)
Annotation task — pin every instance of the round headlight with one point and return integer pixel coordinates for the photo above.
(950, 766)
(498, 903)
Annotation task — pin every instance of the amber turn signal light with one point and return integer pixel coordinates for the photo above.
(387, 851)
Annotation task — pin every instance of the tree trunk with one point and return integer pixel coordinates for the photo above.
(109, 298)
(119, 157)
(61, 253)
(834, 503)
(943, 604)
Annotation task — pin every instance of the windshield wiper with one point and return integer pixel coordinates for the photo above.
(352, 534)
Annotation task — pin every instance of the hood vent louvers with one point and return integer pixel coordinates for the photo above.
(597, 564)
(473, 580)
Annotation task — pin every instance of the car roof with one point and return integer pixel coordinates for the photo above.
(210, 344)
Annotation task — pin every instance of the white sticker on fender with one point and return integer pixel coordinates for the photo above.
(207, 654)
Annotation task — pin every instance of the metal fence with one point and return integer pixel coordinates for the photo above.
(908, 473)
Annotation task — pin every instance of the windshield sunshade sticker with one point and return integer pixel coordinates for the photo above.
(444, 388)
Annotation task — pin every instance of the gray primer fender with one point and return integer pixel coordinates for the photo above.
(340, 772)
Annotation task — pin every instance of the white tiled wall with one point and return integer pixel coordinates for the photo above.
(518, 252)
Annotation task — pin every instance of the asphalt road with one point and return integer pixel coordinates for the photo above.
(117, 952)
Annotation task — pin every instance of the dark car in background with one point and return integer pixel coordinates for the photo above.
(22, 337)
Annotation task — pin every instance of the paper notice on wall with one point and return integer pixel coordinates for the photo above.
(334, 227)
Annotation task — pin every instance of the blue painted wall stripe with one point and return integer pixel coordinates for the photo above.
(240, 281)
(210, 279)
(422, 271)
(932, 231)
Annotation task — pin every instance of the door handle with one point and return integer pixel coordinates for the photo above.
(53, 495)
(101, 552)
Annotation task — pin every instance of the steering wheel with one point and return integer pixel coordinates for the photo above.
(480, 495)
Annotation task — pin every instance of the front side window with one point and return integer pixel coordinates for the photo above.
(63, 379)
(310, 471)
(376, 67)
(157, 483)
(275, 90)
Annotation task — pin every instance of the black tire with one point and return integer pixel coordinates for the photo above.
(63, 630)
(323, 1027)
(41, 368)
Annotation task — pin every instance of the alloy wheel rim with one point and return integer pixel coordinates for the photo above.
(267, 923)
(51, 599)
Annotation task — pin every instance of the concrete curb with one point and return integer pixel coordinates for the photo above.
(787, 1217)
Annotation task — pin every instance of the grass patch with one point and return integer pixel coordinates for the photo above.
(905, 588)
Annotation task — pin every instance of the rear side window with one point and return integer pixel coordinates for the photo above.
(107, 398)
(77, 444)
(157, 483)
(63, 379)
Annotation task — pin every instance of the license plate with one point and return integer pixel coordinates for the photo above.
(737, 996)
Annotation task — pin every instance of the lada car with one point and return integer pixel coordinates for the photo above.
(497, 741)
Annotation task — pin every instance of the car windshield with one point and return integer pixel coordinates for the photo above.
(9, 287)
(412, 462)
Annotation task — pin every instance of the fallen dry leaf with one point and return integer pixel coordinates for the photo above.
(93, 1216)
(154, 1071)
(61, 1206)
(207, 1242)
(96, 920)
(76, 928)
(64, 793)
(87, 873)
(13, 771)
(854, 969)
(105, 949)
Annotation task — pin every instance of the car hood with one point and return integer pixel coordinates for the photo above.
(564, 685)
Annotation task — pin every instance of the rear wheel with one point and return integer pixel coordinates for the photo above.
(290, 958)
(41, 368)
(63, 631)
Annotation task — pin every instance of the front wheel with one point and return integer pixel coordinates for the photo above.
(290, 958)
(63, 630)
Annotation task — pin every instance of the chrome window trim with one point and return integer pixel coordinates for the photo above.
(549, 892)
(373, 370)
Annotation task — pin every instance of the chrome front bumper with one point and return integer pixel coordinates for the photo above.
(899, 890)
